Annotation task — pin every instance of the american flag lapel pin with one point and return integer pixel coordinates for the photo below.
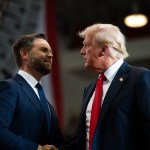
(121, 79)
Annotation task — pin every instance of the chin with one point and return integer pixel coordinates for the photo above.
(46, 71)
(86, 65)
(90, 67)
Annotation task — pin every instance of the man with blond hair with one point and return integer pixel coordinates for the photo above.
(115, 111)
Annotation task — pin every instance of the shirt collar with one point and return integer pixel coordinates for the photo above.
(29, 78)
(111, 71)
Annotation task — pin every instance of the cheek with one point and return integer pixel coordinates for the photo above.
(90, 60)
(36, 58)
(39, 56)
(91, 56)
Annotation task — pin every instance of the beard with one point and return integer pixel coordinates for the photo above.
(41, 65)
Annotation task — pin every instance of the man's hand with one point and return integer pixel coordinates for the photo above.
(47, 147)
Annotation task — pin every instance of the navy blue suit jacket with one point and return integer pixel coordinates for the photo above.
(124, 121)
(22, 121)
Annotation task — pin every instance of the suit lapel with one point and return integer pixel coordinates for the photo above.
(116, 84)
(88, 92)
(32, 97)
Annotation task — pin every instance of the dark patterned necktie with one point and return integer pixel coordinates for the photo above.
(44, 104)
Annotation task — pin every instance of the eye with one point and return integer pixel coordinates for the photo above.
(86, 45)
(43, 49)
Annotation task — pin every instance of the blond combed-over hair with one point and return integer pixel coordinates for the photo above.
(106, 34)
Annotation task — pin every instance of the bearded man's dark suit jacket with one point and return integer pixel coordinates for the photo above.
(124, 122)
(22, 120)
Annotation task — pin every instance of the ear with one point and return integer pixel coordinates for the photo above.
(105, 50)
(23, 53)
(102, 51)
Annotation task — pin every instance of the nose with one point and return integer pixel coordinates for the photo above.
(50, 54)
(82, 51)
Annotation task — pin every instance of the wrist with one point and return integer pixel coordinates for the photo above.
(39, 147)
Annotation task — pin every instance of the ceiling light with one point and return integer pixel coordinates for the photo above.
(136, 20)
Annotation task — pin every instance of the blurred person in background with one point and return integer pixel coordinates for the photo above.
(115, 112)
(25, 124)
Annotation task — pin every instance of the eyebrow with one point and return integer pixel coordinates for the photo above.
(45, 48)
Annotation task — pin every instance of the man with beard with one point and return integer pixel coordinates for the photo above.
(25, 124)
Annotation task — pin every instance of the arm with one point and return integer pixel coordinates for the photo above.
(47, 147)
(142, 97)
(8, 103)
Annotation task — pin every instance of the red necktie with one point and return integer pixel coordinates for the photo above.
(96, 108)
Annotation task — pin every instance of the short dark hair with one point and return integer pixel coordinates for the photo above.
(26, 42)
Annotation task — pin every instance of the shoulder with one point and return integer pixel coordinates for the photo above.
(140, 72)
(8, 90)
(9, 85)
(140, 75)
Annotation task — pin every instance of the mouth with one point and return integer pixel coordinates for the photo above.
(48, 62)
(85, 60)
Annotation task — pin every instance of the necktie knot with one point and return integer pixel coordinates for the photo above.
(39, 86)
(100, 80)
(103, 78)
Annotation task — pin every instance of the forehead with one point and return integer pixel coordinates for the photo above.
(88, 40)
(41, 43)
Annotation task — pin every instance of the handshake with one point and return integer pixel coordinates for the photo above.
(47, 147)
